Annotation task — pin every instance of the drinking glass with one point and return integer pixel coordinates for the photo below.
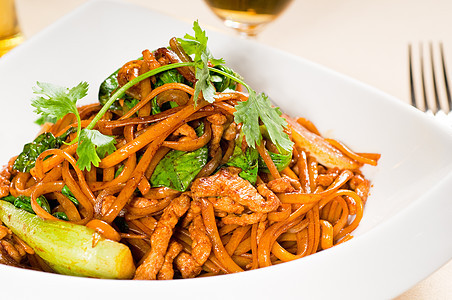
(10, 34)
(248, 17)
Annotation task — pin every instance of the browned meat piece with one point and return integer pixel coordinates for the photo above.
(217, 121)
(294, 182)
(185, 130)
(150, 60)
(201, 245)
(167, 271)
(4, 231)
(5, 176)
(6, 259)
(141, 202)
(128, 72)
(12, 251)
(269, 195)
(217, 133)
(226, 204)
(227, 183)
(325, 179)
(281, 185)
(187, 265)
(106, 204)
(169, 55)
(260, 229)
(161, 237)
(243, 220)
(363, 190)
(360, 185)
(231, 132)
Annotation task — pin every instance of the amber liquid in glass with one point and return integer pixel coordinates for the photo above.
(247, 16)
(10, 34)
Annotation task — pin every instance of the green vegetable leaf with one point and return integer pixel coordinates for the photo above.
(60, 215)
(67, 192)
(155, 108)
(107, 87)
(27, 158)
(178, 168)
(258, 108)
(92, 146)
(223, 83)
(23, 202)
(281, 161)
(247, 161)
(119, 170)
(130, 102)
(170, 76)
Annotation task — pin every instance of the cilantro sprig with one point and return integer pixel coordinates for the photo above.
(197, 45)
(55, 102)
(259, 108)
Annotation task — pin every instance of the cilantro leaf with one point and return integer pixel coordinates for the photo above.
(197, 45)
(78, 92)
(42, 120)
(258, 107)
(204, 84)
(56, 101)
(93, 145)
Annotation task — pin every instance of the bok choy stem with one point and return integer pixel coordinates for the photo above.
(68, 248)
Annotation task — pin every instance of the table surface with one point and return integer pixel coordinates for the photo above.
(366, 40)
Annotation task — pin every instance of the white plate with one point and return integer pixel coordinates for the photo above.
(405, 233)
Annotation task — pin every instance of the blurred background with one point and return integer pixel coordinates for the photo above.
(366, 40)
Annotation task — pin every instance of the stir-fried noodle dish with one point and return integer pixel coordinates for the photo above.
(180, 170)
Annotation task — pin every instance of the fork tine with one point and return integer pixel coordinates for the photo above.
(424, 89)
(412, 92)
(446, 81)
(435, 87)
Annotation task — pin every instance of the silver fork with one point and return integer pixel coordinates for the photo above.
(429, 88)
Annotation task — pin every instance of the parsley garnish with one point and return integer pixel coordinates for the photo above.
(55, 102)
(249, 113)
(92, 146)
(258, 108)
(197, 45)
